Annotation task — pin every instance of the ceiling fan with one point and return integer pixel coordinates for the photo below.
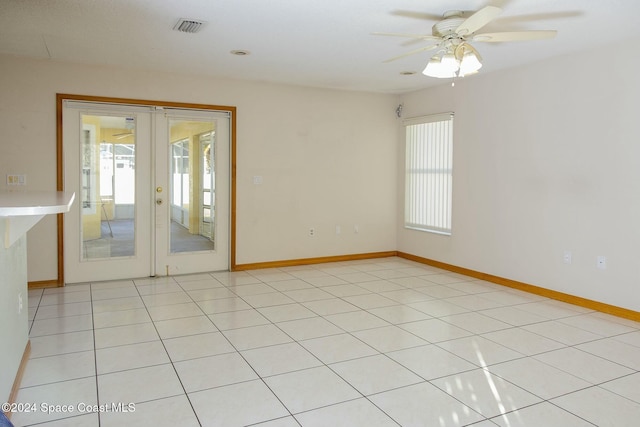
(452, 37)
(123, 135)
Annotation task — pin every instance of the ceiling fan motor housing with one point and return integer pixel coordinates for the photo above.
(448, 26)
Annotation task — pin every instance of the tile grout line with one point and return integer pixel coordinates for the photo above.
(249, 364)
(153, 322)
(95, 353)
(609, 336)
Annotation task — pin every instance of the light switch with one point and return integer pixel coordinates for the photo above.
(16, 180)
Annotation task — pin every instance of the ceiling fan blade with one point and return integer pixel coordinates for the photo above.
(520, 19)
(413, 52)
(515, 36)
(478, 20)
(410, 36)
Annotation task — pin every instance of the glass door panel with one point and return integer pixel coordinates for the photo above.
(108, 182)
(191, 182)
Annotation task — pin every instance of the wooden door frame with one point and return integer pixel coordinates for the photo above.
(61, 97)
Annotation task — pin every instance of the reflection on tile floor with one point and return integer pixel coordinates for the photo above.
(382, 342)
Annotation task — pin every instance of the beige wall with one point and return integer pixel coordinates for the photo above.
(546, 159)
(327, 157)
(13, 324)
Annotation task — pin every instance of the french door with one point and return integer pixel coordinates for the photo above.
(153, 191)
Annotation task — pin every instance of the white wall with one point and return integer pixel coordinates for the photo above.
(327, 157)
(546, 159)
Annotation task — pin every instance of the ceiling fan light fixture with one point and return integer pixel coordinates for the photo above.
(458, 63)
(470, 64)
(442, 68)
(449, 62)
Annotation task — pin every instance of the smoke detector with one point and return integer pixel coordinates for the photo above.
(188, 25)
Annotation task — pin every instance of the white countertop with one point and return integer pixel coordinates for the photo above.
(21, 210)
(20, 203)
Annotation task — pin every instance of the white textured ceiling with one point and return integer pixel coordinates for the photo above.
(320, 43)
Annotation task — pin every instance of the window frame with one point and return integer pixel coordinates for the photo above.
(429, 212)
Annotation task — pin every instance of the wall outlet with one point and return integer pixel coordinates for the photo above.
(338, 229)
(356, 229)
(567, 257)
(20, 305)
(601, 262)
(312, 232)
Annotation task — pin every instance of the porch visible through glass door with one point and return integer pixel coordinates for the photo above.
(107, 193)
(192, 185)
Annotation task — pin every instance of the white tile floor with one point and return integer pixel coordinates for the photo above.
(382, 342)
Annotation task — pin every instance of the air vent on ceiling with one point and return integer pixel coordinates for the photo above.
(188, 25)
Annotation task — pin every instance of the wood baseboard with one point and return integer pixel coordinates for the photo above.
(16, 382)
(548, 293)
(39, 284)
(536, 290)
(317, 260)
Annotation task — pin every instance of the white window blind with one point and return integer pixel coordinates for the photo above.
(429, 173)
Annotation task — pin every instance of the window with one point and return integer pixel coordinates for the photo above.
(428, 173)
